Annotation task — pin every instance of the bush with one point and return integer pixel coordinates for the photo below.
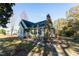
(69, 32)
(2, 31)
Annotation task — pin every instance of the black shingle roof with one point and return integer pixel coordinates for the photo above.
(28, 23)
(42, 23)
(31, 24)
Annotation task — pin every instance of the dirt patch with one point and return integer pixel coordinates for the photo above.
(7, 36)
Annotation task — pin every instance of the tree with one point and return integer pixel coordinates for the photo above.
(6, 12)
(73, 18)
(73, 12)
(12, 23)
(59, 24)
(24, 15)
(48, 27)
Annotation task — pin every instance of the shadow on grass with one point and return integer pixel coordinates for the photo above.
(13, 49)
(23, 49)
(50, 48)
(5, 49)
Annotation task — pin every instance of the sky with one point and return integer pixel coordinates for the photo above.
(36, 12)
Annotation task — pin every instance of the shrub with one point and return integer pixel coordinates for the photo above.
(2, 31)
(69, 32)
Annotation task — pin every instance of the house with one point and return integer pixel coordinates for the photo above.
(39, 29)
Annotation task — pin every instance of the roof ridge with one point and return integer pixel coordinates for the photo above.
(34, 22)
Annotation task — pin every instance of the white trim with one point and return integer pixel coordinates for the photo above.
(24, 24)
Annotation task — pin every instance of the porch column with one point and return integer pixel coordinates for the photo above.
(42, 32)
(37, 31)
